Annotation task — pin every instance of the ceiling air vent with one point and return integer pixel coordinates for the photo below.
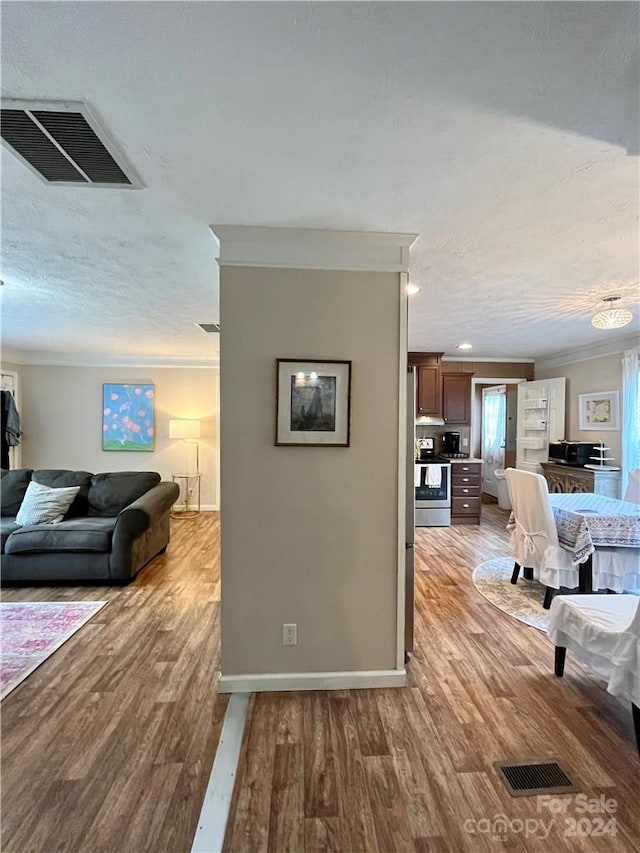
(64, 144)
(209, 327)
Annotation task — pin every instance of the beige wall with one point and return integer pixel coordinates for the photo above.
(595, 374)
(309, 534)
(62, 421)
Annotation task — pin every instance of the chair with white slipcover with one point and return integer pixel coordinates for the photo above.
(632, 493)
(603, 631)
(534, 538)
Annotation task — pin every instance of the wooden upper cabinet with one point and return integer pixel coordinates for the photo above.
(456, 398)
(429, 399)
(428, 382)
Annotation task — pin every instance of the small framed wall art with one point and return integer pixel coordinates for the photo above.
(599, 410)
(128, 417)
(313, 402)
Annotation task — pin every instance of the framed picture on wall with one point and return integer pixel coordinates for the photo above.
(313, 401)
(599, 410)
(128, 417)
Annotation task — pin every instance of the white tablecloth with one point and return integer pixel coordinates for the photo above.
(606, 528)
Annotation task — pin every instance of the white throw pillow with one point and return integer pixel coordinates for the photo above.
(44, 505)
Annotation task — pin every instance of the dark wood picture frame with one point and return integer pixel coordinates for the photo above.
(313, 402)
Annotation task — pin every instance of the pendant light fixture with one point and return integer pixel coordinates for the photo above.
(611, 317)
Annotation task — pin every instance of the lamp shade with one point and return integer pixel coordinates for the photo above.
(184, 429)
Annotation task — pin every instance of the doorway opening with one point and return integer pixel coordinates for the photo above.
(495, 414)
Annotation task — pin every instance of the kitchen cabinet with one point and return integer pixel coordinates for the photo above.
(429, 398)
(438, 394)
(428, 383)
(563, 478)
(466, 489)
(456, 398)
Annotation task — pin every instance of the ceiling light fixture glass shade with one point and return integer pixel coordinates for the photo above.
(412, 289)
(611, 318)
(464, 346)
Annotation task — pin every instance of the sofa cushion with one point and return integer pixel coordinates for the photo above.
(74, 534)
(42, 505)
(13, 485)
(110, 493)
(7, 526)
(57, 478)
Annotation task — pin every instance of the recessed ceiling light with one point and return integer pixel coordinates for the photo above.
(412, 289)
(464, 346)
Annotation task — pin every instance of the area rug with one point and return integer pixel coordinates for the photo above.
(522, 600)
(31, 631)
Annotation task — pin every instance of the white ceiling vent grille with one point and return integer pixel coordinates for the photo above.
(63, 143)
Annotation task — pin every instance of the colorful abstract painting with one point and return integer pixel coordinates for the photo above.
(127, 417)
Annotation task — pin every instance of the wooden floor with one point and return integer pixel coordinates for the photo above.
(412, 769)
(109, 744)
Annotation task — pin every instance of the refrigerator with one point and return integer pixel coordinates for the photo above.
(541, 419)
(409, 543)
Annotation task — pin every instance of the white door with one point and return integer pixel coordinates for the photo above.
(494, 425)
(541, 418)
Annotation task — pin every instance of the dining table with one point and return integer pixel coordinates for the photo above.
(590, 524)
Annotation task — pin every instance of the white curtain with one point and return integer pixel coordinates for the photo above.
(630, 415)
(493, 426)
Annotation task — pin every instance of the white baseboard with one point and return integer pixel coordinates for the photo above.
(203, 507)
(312, 681)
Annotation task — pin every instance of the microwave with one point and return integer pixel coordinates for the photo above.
(572, 452)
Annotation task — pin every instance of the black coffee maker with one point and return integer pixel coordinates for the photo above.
(451, 443)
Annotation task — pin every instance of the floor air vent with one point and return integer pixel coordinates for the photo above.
(64, 144)
(532, 778)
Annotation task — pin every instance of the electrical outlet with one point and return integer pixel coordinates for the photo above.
(290, 634)
(465, 442)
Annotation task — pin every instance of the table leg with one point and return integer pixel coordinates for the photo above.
(585, 579)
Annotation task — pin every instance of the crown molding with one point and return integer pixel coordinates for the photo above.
(10, 355)
(80, 359)
(305, 248)
(493, 359)
(612, 346)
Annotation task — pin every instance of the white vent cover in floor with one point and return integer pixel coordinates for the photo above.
(63, 143)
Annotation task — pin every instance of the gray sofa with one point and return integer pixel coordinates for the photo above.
(115, 525)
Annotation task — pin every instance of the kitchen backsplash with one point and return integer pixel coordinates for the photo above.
(427, 431)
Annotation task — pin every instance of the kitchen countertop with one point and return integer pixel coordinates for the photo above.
(458, 461)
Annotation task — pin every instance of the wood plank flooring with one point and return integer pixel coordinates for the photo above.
(402, 770)
(109, 744)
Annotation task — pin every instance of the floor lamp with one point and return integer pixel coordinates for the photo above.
(189, 432)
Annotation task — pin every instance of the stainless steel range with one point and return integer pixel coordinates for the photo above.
(432, 481)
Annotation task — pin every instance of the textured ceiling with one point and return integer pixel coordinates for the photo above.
(505, 134)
